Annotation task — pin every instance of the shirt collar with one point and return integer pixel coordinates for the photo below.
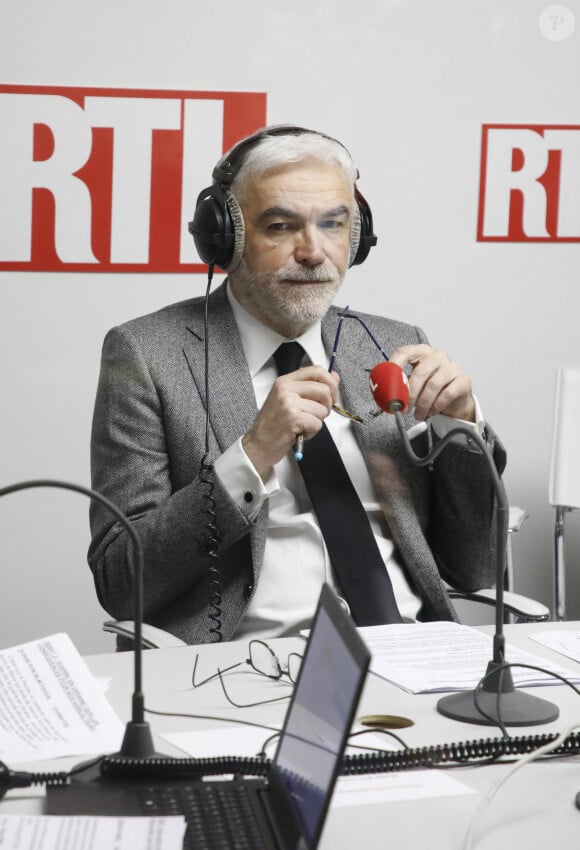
(260, 342)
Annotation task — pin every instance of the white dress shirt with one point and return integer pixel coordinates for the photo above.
(296, 561)
(295, 558)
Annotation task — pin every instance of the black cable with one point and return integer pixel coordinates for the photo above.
(475, 753)
(508, 665)
(211, 717)
(478, 752)
(498, 720)
(21, 779)
(388, 761)
(193, 768)
(373, 732)
(463, 753)
(208, 547)
(269, 739)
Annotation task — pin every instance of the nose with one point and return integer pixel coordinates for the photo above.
(309, 248)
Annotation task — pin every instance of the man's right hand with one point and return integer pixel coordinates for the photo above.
(298, 403)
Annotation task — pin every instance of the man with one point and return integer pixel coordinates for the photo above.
(232, 544)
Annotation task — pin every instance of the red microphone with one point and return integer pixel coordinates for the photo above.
(389, 386)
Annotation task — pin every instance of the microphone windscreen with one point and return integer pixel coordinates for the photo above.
(389, 386)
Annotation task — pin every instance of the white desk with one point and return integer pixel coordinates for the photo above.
(535, 809)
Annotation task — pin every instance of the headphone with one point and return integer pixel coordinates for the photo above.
(218, 227)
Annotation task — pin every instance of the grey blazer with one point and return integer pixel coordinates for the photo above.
(148, 442)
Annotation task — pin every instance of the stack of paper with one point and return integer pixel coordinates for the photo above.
(50, 704)
(444, 656)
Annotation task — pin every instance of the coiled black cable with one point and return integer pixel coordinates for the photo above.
(194, 768)
(463, 752)
(387, 761)
(208, 547)
(20, 779)
(475, 752)
(209, 550)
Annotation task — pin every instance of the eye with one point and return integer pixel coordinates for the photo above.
(279, 226)
(332, 224)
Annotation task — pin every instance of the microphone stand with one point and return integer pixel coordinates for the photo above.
(138, 740)
(496, 701)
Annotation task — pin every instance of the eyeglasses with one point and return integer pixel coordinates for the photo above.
(263, 660)
(346, 315)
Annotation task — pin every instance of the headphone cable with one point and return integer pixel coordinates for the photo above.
(209, 546)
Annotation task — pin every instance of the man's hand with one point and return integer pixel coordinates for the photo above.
(436, 384)
(298, 403)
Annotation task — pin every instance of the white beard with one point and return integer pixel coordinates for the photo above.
(289, 299)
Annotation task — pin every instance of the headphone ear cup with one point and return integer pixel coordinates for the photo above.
(212, 228)
(366, 238)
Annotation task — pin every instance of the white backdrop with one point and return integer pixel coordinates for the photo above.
(406, 85)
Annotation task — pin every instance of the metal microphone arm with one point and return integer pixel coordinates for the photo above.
(137, 741)
(497, 701)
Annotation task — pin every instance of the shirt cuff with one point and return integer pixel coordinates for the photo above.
(442, 423)
(239, 477)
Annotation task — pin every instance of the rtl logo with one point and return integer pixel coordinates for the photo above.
(530, 184)
(107, 179)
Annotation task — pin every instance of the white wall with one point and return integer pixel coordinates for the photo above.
(406, 86)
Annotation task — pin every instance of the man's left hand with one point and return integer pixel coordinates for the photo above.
(436, 384)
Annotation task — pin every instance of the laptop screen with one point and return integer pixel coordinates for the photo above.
(320, 715)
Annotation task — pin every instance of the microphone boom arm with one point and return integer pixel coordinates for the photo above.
(502, 510)
(137, 741)
(495, 700)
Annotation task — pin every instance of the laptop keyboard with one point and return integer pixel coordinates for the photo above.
(219, 816)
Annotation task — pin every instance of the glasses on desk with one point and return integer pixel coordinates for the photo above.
(342, 316)
(262, 660)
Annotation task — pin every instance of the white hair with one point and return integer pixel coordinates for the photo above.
(276, 150)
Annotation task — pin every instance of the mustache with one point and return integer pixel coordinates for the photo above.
(325, 273)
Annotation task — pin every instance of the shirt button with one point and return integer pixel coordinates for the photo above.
(248, 497)
(248, 588)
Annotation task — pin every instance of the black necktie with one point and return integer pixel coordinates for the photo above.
(353, 550)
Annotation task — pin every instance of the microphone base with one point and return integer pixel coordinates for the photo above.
(137, 741)
(516, 709)
(137, 746)
(87, 773)
(500, 701)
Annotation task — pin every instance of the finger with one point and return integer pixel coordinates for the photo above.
(448, 390)
(318, 374)
(295, 415)
(456, 399)
(276, 427)
(436, 383)
(407, 355)
(428, 380)
(323, 391)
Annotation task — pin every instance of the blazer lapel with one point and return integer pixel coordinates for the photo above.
(232, 401)
(231, 394)
(378, 436)
(356, 357)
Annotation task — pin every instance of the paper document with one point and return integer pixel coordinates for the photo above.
(565, 642)
(395, 787)
(445, 656)
(55, 832)
(50, 704)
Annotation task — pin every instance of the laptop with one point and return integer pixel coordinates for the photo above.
(285, 811)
